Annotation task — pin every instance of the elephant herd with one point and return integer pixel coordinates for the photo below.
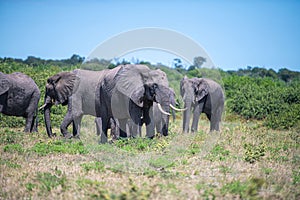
(121, 99)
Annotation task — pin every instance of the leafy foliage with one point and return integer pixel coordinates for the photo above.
(264, 98)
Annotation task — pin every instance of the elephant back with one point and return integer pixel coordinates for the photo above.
(20, 92)
(23, 81)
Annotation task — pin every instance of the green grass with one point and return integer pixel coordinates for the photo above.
(59, 146)
(245, 161)
(48, 181)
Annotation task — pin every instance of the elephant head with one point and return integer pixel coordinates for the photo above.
(58, 90)
(193, 90)
(142, 85)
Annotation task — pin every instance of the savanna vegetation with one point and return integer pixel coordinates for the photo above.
(256, 155)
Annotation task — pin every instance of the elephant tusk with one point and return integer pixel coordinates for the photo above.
(177, 109)
(161, 110)
(43, 106)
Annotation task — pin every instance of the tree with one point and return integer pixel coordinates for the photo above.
(177, 63)
(75, 59)
(198, 61)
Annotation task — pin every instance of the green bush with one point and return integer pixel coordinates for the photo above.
(264, 99)
(289, 117)
(39, 74)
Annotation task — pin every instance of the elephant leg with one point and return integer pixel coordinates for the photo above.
(114, 132)
(197, 111)
(135, 129)
(77, 126)
(123, 123)
(98, 123)
(215, 120)
(150, 125)
(29, 122)
(68, 119)
(165, 126)
(104, 125)
(34, 125)
(135, 120)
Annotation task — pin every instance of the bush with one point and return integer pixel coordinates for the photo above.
(264, 98)
(289, 117)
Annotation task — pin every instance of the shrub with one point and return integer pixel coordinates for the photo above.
(264, 98)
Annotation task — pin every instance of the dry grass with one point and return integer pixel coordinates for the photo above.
(244, 161)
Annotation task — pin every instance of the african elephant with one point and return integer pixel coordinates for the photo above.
(77, 89)
(162, 121)
(202, 95)
(127, 93)
(19, 96)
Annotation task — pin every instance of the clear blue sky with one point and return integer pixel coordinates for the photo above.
(235, 34)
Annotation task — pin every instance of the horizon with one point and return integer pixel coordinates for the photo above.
(234, 34)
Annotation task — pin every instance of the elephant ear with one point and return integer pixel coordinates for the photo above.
(64, 83)
(4, 85)
(183, 81)
(130, 82)
(201, 88)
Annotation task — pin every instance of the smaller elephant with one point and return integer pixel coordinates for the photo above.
(203, 96)
(161, 122)
(19, 96)
(76, 89)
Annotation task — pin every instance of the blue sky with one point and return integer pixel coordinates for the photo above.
(235, 34)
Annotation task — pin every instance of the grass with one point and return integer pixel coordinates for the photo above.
(244, 161)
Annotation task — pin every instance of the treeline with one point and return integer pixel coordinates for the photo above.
(36, 62)
(283, 74)
(193, 71)
(251, 93)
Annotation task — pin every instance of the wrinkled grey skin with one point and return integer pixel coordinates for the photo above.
(203, 96)
(77, 89)
(161, 120)
(127, 93)
(19, 96)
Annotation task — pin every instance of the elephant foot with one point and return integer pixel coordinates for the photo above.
(52, 135)
(150, 137)
(68, 136)
(76, 136)
(111, 141)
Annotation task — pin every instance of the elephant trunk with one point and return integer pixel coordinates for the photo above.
(186, 115)
(47, 107)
